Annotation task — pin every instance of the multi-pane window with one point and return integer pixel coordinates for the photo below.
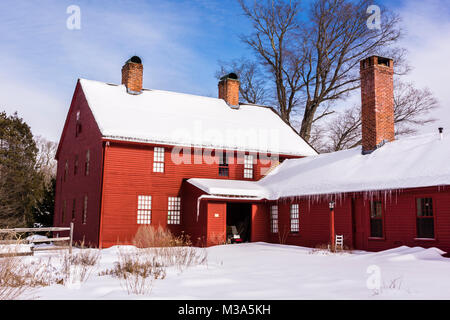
(78, 124)
(86, 164)
(223, 165)
(248, 166)
(376, 219)
(85, 209)
(295, 218)
(158, 159)
(75, 166)
(274, 219)
(174, 211)
(144, 212)
(74, 209)
(425, 218)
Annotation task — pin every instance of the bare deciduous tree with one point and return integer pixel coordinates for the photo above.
(252, 84)
(45, 161)
(312, 58)
(412, 107)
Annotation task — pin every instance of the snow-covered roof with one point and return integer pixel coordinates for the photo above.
(163, 117)
(237, 188)
(420, 161)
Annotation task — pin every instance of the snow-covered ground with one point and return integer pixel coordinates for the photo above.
(271, 271)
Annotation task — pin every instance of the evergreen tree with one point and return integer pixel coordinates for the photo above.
(43, 211)
(20, 181)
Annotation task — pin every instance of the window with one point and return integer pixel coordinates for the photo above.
(85, 208)
(274, 219)
(73, 209)
(75, 166)
(144, 212)
(174, 211)
(78, 124)
(66, 170)
(376, 219)
(158, 159)
(86, 165)
(63, 214)
(248, 166)
(295, 219)
(223, 165)
(425, 218)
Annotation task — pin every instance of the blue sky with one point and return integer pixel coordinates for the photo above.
(180, 43)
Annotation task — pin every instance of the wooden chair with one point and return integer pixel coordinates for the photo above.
(340, 242)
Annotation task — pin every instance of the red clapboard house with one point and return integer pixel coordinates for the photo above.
(119, 168)
(126, 154)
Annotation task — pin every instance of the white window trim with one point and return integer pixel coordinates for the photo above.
(248, 166)
(274, 219)
(295, 218)
(85, 209)
(174, 210)
(144, 209)
(158, 159)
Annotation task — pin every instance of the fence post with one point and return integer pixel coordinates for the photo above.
(71, 237)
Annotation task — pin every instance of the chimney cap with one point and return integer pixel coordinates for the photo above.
(377, 61)
(134, 59)
(232, 76)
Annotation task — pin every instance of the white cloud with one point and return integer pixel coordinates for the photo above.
(427, 26)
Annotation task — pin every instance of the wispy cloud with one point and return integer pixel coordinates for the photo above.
(42, 59)
(427, 26)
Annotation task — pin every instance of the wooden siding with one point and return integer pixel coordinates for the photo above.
(128, 173)
(352, 218)
(78, 186)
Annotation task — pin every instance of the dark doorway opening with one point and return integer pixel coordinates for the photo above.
(239, 220)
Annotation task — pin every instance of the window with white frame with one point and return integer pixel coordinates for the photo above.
(274, 219)
(85, 209)
(158, 159)
(248, 166)
(295, 219)
(144, 210)
(174, 210)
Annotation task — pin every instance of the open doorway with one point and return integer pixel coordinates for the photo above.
(239, 219)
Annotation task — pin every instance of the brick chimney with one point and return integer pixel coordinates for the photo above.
(132, 73)
(229, 89)
(377, 97)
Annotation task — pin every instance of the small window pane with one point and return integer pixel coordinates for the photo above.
(174, 210)
(274, 219)
(295, 218)
(248, 166)
(425, 218)
(376, 219)
(144, 212)
(158, 159)
(85, 208)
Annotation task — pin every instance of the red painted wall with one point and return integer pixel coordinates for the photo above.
(216, 223)
(128, 173)
(79, 185)
(260, 222)
(353, 221)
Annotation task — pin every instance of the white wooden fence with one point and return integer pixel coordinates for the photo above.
(16, 231)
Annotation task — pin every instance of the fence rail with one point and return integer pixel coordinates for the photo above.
(35, 241)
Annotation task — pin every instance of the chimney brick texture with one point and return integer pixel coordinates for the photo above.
(229, 90)
(377, 98)
(132, 74)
